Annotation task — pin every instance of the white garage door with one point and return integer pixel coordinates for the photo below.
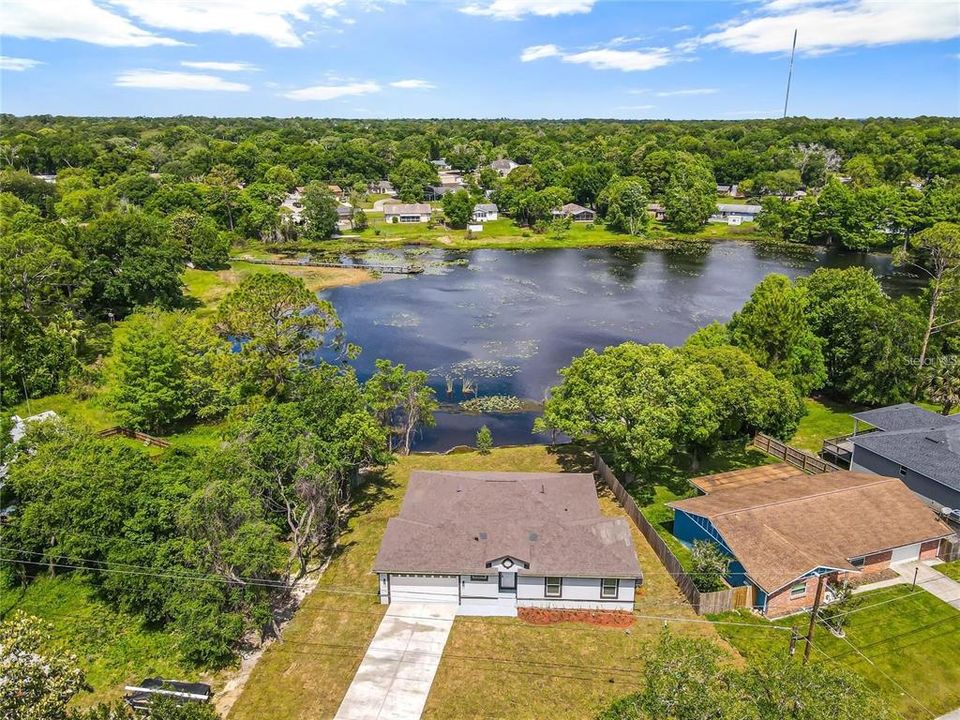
(425, 588)
(905, 553)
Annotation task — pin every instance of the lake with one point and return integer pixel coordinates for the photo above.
(507, 321)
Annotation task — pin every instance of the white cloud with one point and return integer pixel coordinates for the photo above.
(681, 28)
(271, 20)
(73, 20)
(330, 92)
(688, 91)
(17, 64)
(538, 52)
(166, 80)
(413, 84)
(827, 25)
(516, 9)
(220, 66)
(625, 60)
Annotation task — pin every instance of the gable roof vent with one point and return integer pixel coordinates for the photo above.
(533, 537)
(483, 536)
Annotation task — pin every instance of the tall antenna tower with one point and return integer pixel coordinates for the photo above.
(793, 51)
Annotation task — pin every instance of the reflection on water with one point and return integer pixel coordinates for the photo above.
(506, 321)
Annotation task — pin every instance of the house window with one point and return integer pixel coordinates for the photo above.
(903, 471)
(479, 578)
(798, 591)
(552, 586)
(609, 587)
(857, 562)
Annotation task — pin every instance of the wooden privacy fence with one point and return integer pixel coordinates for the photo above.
(798, 458)
(134, 435)
(702, 602)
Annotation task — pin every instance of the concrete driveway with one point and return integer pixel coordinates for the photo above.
(396, 673)
(932, 581)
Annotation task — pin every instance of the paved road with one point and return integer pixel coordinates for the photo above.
(955, 715)
(394, 678)
(930, 580)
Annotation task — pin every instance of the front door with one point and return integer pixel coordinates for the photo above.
(508, 583)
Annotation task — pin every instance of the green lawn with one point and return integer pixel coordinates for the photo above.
(507, 235)
(112, 648)
(824, 419)
(951, 569)
(911, 640)
(492, 667)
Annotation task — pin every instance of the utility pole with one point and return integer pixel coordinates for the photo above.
(813, 620)
(793, 52)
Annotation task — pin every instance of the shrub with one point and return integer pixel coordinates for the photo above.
(709, 566)
(484, 440)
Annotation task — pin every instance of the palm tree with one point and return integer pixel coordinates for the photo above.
(942, 380)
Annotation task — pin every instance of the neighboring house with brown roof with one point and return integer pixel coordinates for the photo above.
(784, 529)
(492, 542)
(407, 212)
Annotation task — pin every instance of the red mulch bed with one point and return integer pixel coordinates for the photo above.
(602, 618)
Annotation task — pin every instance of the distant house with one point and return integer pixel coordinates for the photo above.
(920, 447)
(733, 214)
(336, 191)
(575, 212)
(504, 166)
(293, 203)
(440, 164)
(432, 193)
(382, 187)
(783, 530)
(47, 178)
(728, 190)
(492, 542)
(657, 211)
(407, 213)
(484, 212)
(344, 215)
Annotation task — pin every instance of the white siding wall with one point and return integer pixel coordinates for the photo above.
(474, 590)
(583, 593)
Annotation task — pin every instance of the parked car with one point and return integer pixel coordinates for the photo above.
(953, 515)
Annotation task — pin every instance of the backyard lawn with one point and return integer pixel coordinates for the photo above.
(492, 667)
(112, 648)
(912, 640)
(824, 419)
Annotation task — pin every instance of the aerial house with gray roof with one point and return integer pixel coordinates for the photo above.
(920, 447)
(492, 542)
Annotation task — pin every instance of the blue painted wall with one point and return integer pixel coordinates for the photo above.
(688, 528)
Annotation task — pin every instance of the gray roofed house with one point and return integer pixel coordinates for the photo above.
(498, 541)
(407, 212)
(920, 447)
(577, 213)
(504, 166)
(482, 212)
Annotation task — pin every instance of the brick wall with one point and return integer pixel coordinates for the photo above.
(929, 550)
(780, 603)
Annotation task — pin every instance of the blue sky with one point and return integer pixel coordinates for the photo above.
(479, 58)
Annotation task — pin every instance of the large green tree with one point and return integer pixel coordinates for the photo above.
(772, 327)
(624, 205)
(690, 196)
(319, 212)
(279, 325)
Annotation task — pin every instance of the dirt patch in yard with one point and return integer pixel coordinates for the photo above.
(601, 618)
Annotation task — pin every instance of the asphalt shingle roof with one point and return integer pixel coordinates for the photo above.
(904, 416)
(934, 453)
(781, 529)
(457, 522)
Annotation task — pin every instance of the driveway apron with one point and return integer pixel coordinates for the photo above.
(396, 673)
